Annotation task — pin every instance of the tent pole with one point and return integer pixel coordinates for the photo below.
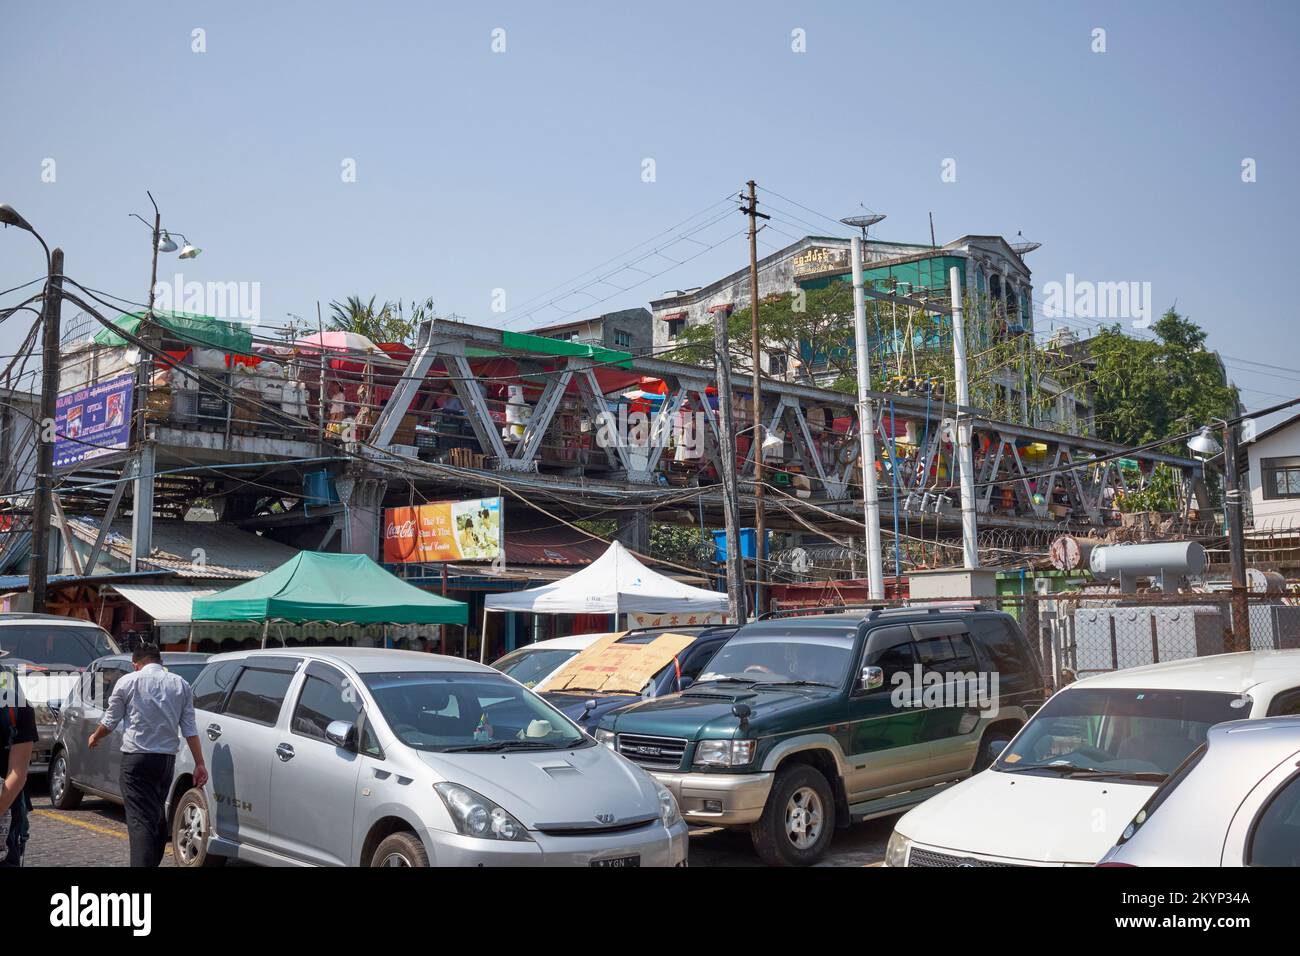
(266, 626)
(482, 638)
(189, 641)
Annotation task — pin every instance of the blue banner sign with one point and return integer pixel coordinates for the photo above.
(93, 421)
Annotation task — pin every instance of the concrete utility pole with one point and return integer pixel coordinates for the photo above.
(867, 430)
(38, 577)
(756, 439)
(970, 553)
(1236, 540)
(727, 463)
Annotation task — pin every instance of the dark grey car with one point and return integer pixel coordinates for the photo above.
(75, 769)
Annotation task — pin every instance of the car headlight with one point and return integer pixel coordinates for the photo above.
(668, 810)
(896, 849)
(724, 753)
(477, 816)
(606, 737)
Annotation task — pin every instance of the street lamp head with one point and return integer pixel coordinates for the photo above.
(1204, 445)
(166, 243)
(189, 252)
(9, 217)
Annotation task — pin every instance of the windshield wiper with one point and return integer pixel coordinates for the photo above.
(1131, 774)
(1074, 770)
(1061, 768)
(726, 680)
(793, 683)
(493, 745)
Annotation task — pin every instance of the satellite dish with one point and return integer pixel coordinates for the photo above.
(863, 221)
(1023, 246)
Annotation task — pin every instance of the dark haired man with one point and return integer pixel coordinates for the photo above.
(154, 704)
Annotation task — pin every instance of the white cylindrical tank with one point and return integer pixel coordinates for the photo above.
(1170, 557)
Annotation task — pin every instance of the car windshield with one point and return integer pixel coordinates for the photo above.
(56, 646)
(529, 665)
(1142, 734)
(443, 711)
(782, 658)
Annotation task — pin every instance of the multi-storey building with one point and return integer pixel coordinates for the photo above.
(997, 285)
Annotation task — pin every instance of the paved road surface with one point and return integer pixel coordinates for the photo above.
(94, 834)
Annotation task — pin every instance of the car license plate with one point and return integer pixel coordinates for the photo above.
(618, 861)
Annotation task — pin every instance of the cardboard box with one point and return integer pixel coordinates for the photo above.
(608, 667)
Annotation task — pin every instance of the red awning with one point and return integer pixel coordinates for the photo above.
(672, 316)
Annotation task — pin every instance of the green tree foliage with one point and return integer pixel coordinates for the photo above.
(680, 544)
(1145, 389)
(822, 327)
(814, 330)
(388, 322)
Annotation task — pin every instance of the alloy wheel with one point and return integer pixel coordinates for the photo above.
(804, 818)
(58, 779)
(192, 834)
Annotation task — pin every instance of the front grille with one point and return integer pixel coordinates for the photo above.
(582, 829)
(920, 857)
(662, 753)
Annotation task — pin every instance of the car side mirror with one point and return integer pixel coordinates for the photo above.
(342, 733)
(872, 677)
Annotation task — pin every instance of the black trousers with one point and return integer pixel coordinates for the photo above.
(145, 779)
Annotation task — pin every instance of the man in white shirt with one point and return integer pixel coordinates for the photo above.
(154, 704)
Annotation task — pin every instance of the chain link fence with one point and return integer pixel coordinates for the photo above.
(1079, 634)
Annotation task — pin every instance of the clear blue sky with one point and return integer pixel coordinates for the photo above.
(479, 171)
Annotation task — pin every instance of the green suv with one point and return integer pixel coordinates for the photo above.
(802, 724)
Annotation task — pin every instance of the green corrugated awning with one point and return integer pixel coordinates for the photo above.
(338, 588)
(202, 330)
(537, 343)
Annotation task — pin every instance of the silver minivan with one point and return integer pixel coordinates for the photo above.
(376, 757)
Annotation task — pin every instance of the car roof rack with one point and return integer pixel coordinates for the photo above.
(675, 628)
(876, 610)
(819, 609)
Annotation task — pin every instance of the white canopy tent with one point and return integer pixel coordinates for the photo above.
(615, 583)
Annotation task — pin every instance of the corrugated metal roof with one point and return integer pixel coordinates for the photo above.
(559, 546)
(194, 549)
(18, 582)
(165, 603)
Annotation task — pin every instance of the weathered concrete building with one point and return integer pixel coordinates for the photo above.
(628, 330)
(995, 280)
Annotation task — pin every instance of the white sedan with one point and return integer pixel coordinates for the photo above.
(534, 664)
(1234, 802)
(1063, 790)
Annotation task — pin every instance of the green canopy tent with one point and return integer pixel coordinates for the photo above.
(331, 588)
